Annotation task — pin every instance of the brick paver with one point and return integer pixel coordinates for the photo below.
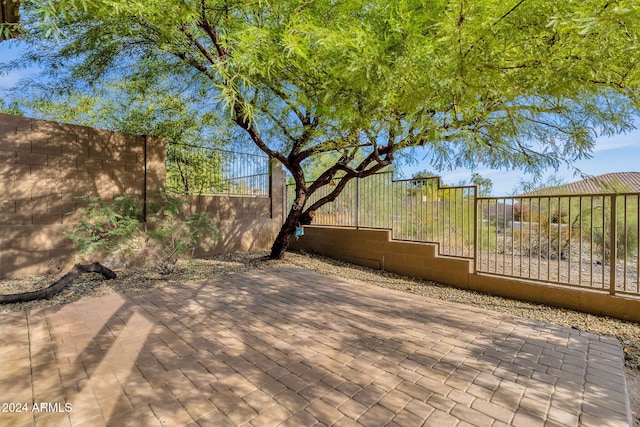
(296, 347)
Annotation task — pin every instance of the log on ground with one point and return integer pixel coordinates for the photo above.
(59, 285)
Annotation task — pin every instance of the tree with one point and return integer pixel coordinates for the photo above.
(517, 84)
(424, 174)
(190, 129)
(12, 108)
(485, 185)
(9, 19)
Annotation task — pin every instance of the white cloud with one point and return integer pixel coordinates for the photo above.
(617, 141)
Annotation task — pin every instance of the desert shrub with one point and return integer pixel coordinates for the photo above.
(544, 239)
(173, 236)
(626, 238)
(107, 227)
(117, 230)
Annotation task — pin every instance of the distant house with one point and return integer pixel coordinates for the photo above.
(616, 182)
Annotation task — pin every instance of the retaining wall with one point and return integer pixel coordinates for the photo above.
(376, 249)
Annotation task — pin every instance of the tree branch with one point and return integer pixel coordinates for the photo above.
(277, 122)
(203, 50)
(243, 121)
(206, 26)
(510, 11)
(195, 64)
(307, 216)
(280, 94)
(58, 286)
(331, 145)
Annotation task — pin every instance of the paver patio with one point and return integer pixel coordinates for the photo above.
(299, 348)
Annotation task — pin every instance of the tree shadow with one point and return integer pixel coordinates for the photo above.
(44, 168)
(287, 343)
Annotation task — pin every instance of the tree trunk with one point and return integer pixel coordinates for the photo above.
(58, 286)
(288, 229)
(294, 219)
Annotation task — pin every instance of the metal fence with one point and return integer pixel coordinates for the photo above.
(586, 240)
(414, 209)
(210, 171)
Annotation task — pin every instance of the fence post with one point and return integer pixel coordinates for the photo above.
(613, 245)
(145, 143)
(475, 230)
(277, 190)
(357, 203)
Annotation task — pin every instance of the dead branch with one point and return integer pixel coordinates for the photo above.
(58, 286)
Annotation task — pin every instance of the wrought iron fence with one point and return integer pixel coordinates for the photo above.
(414, 209)
(211, 171)
(579, 240)
(586, 240)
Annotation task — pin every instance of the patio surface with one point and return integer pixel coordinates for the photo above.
(299, 348)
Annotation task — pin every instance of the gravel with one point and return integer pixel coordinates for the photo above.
(138, 278)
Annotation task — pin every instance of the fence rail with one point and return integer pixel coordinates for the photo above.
(580, 240)
(414, 209)
(588, 240)
(210, 171)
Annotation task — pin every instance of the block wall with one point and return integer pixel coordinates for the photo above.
(245, 223)
(45, 167)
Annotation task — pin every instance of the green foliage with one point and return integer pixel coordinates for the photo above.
(485, 185)
(416, 73)
(9, 31)
(598, 228)
(173, 236)
(424, 174)
(10, 22)
(117, 229)
(192, 170)
(10, 108)
(556, 227)
(160, 110)
(477, 82)
(105, 228)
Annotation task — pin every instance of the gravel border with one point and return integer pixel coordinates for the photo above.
(138, 278)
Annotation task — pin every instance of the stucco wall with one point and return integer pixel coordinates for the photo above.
(374, 248)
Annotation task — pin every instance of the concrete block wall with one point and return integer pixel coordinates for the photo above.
(245, 223)
(45, 167)
(376, 249)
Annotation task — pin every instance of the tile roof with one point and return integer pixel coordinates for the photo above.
(615, 182)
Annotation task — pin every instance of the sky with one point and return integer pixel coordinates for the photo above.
(620, 153)
(9, 50)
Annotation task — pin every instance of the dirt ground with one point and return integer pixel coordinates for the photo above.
(633, 385)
